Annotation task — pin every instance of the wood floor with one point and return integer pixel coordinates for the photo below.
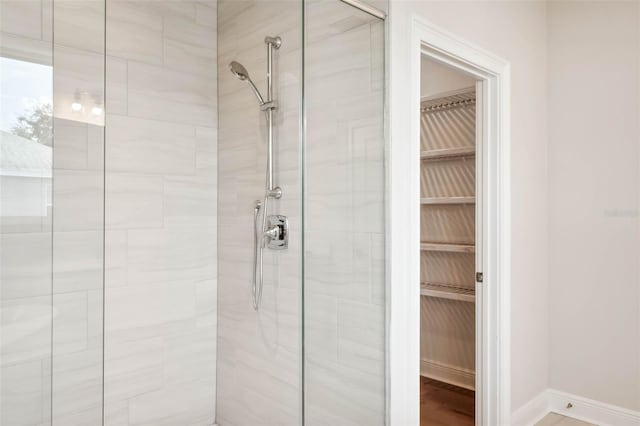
(553, 419)
(445, 405)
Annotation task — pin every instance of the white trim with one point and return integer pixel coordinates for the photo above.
(531, 412)
(457, 376)
(591, 411)
(403, 284)
(584, 409)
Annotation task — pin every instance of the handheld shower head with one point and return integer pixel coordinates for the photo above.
(242, 74)
(239, 70)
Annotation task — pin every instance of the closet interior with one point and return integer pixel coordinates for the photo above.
(448, 248)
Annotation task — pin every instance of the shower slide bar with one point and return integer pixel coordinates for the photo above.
(269, 231)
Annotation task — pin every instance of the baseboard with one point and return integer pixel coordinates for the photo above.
(573, 406)
(448, 374)
(531, 412)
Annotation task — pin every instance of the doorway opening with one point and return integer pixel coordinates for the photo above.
(450, 253)
(492, 232)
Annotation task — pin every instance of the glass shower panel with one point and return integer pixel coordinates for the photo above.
(78, 212)
(344, 293)
(51, 279)
(26, 97)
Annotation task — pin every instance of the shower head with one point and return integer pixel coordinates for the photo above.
(238, 70)
(242, 74)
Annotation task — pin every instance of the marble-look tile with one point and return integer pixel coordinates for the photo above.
(79, 200)
(170, 255)
(340, 395)
(190, 198)
(160, 274)
(206, 14)
(26, 329)
(133, 201)
(71, 144)
(207, 153)
(188, 46)
(95, 147)
(116, 413)
(22, 390)
(70, 320)
(115, 258)
(132, 367)
(90, 414)
(337, 264)
(22, 18)
(134, 31)
(148, 146)
(116, 85)
(190, 356)
(80, 24)
(162, 94)
(77, 261)
(361, 337)
(77, 387)
(163, 303)
(26, 265)
(185, 403)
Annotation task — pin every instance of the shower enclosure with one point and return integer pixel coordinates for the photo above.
(131, 160)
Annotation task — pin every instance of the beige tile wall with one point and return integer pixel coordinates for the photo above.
(161, 178)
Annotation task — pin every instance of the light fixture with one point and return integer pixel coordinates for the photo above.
(76, 106)
(96, 110)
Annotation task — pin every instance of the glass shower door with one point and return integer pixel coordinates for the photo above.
(51, 211)
(343, 198)
(26, 154)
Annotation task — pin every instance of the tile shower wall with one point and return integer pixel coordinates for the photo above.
(259, 377)
(161, 177)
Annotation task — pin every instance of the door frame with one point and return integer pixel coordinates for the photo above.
(493, 296)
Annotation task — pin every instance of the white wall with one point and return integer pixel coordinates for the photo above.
(437, 78)
(594, 187)
(516, 32)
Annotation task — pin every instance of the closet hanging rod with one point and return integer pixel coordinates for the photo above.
(444, 153)
(447, 200)
(457, 248)
(448, 105)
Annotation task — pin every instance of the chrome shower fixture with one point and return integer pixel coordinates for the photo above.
(240, 71)
(273, 232)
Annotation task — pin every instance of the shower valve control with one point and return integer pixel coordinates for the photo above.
(277, 233)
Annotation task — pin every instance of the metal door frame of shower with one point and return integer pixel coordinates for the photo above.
(493, 300)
